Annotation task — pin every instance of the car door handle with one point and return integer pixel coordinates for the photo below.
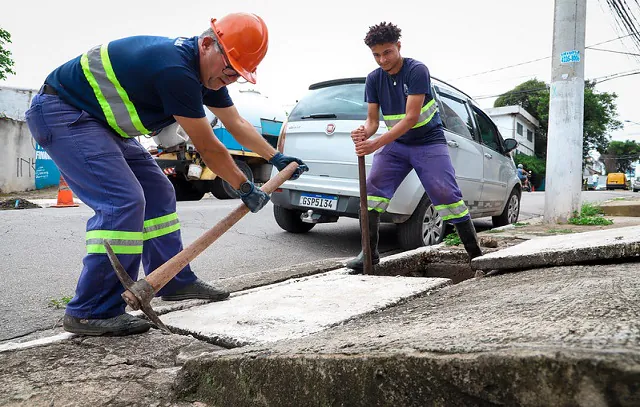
(489, 156)
(453, 144)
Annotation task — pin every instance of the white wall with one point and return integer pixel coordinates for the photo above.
(15, 102)
(17, 156)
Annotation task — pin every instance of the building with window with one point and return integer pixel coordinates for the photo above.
(515, 122)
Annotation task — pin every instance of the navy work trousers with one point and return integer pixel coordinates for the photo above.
(133, 201)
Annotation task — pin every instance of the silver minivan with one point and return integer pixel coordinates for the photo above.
(318, 131)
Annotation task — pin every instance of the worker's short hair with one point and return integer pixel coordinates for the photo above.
(208, 33)
(382, 33)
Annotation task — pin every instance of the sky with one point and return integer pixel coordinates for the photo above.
(313, 41)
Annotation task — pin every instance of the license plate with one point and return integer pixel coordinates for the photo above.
(319, 201)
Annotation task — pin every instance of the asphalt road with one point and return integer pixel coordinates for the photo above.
(41, 251)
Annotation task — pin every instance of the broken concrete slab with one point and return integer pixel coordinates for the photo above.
(556, 336)
(601, 245)
(92, 371)
(295, 308)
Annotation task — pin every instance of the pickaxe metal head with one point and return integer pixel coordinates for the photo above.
(137, 294)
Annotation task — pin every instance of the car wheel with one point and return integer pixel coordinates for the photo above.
(185, 191)
(289, 220)
(221, 189)
(511, 211)
(425, 227)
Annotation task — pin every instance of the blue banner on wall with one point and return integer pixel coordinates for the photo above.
(47, 173)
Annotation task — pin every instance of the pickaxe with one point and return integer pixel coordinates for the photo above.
(138, 294)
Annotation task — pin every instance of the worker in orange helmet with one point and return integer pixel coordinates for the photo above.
(86, 116)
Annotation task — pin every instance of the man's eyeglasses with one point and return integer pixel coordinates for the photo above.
(228, 69)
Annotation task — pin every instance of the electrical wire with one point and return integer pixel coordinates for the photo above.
(536, 60)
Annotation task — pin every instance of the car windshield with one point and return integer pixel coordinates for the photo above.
(342, 102)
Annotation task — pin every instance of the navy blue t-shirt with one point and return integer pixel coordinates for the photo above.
(160, 75)
(413, 79)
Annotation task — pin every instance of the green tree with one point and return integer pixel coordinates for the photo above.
(599, 113)
(5, 55)
(620, 155)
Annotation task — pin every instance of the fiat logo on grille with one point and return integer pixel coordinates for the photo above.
(331, 128)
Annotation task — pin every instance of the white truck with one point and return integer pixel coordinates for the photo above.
(182, 163)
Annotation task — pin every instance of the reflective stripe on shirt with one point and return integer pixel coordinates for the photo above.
(114, 101)
(426, 114)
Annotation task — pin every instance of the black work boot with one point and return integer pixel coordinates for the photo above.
(467, 233)
(121, 325)
(357, 264)
(198, 290)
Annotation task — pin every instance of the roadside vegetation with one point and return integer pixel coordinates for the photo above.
(590, 215)
(59, 303)
(452, 239)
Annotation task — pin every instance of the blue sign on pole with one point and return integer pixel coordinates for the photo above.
(568, 57)
(47, 173)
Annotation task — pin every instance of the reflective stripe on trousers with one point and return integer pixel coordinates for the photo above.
(131, 242)
(452, 211)
(426, 114)
(114, 101)
(377, 203)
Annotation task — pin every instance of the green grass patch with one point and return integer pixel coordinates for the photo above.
(452, 239)
(590, 215)
(59, 302)
(520, 224)
(494, 231)
(589, 209)
(559, 231)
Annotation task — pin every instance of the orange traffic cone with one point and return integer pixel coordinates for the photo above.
(65, 196)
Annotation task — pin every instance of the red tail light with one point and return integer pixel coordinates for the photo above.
(282, 137)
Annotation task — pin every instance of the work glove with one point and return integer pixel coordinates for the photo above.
(255, 199)
(280, 161)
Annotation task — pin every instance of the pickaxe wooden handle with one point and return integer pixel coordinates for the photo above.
(138, 294)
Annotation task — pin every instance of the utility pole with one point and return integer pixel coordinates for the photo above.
(563, 184)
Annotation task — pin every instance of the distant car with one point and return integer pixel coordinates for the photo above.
(616, 180)
(635, 184)
(318, 131)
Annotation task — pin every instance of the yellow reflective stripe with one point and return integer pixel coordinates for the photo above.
(461, 215)
(113, 234)
(161, 219)
(117, 249)
(161, 232)
(102, 101)
(426, 114)
(111, 75)
(453, 205)
(428, 119)
(160, 226)
(378, 198)
(452, 211)
(121, 242)
(377, 203)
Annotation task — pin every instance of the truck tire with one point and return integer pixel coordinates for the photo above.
(221, 188)
(289, 220)
(185, 191)
(511, 211)
(425, 227)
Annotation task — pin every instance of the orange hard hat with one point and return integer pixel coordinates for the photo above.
(244, 38)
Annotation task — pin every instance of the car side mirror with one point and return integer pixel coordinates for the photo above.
(510, 144)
